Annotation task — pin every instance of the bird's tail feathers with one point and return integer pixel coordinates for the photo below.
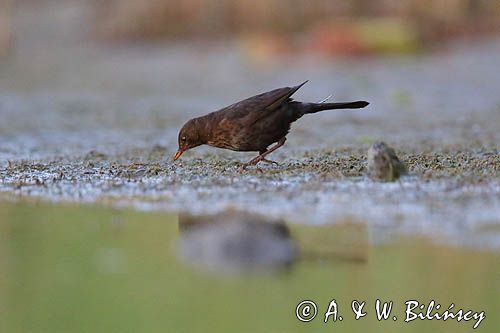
(317, 107)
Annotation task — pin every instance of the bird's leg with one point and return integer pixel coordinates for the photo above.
(262, 155)
(265, 160)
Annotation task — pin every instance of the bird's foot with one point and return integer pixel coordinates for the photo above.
(265, 160)
(252, 162)
(245, 165)
(255, 161)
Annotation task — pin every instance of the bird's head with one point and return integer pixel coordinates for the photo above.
(189, 137)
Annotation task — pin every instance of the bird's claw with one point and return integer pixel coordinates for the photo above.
(245, 165)
(269, 161)
(255, 161)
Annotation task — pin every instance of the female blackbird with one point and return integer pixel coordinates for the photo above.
(253, 124)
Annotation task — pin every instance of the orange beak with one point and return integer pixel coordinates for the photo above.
(178, 154)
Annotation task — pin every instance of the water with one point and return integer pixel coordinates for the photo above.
(67, 268)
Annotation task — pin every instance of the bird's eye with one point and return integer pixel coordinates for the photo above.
(183, 138)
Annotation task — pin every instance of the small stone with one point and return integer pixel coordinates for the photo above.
(383, 163)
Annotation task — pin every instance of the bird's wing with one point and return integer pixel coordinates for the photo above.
(282, 95)
(257, 107)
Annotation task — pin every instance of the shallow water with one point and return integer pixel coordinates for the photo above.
(80, 269)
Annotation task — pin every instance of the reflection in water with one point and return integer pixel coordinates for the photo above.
(239, 241)
(86, 269)
(235, 241)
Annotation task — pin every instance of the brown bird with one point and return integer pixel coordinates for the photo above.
(253, 124)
